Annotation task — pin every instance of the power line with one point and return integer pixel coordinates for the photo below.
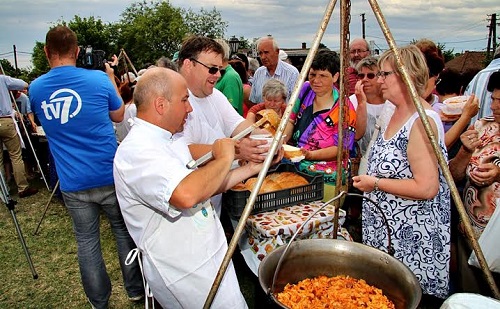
(464, 41)
(459, 30)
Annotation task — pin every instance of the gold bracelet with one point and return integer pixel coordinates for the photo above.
(375, 187)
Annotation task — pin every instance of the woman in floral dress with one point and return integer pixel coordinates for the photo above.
(406, 182)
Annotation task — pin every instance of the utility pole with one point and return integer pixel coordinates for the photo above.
(15, 59)
(494, 32)
(491, 33)
(363, 19)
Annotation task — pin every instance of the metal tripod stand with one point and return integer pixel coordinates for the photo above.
(10, 204)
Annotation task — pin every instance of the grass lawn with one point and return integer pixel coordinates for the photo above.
(53, 252)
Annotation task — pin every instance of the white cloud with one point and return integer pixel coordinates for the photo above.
(458, 24)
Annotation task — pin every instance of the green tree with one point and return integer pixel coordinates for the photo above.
(40, 63)
(93, 32)
(148, 31)
(90, 31)
(8, 68)
(448, 54)
(244, 43)
(205, 23)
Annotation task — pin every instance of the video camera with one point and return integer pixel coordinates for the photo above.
(89, 58)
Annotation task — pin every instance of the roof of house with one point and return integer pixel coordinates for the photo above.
(469, 60)
(296, 52)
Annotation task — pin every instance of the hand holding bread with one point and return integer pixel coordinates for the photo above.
(293, 154)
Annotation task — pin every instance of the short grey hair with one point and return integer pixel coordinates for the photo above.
(225, 47)
(362, 40)
(274, 88)
(368, 62)
(253, 64)
(165, 62)
(267, 37)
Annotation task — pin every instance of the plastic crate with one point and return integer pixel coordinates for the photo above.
(235, 201)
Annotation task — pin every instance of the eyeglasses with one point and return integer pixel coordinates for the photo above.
(211, 70)
(357, 51)
(368, 75)
(384, 74)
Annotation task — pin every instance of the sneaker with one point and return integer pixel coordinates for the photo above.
(136, 299)
(28, 192)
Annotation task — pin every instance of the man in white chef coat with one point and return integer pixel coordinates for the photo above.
(166, 206)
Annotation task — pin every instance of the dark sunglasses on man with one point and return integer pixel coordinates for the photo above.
(211, 70)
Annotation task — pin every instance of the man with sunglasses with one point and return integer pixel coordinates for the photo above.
(358, 49)
(213, 117)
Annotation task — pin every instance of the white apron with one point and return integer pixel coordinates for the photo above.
(181, 268)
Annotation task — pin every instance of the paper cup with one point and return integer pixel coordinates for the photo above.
(269, 139)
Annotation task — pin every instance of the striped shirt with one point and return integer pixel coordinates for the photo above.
(286, 73)
(478, 87)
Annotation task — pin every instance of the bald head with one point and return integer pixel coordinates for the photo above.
(358, 49)
(161, 97)
(153, 83)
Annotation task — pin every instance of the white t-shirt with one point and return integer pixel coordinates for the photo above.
(354, 101)
(376, 114)
(212, 118)
(182, 249)
(122, 128)
(373, 111)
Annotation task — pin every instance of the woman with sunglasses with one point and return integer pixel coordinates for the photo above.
(368, 101)
(404, 178)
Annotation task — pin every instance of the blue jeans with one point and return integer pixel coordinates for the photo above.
(84, 208)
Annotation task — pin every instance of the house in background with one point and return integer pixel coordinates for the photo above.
(469, 61)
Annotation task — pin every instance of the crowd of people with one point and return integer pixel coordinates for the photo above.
(120, 146)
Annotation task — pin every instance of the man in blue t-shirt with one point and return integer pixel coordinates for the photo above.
(75, 107)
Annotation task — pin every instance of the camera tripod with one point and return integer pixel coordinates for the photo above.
(10, 204)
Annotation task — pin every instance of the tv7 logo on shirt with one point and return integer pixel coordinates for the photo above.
(60, 105)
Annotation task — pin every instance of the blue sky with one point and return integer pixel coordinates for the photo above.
(461, 25)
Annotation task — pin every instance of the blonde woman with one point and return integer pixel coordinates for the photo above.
(404, 178)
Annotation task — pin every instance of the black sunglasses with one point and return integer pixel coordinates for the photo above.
(211, 70)
(368, 75)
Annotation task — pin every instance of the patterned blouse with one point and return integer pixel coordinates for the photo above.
(319, 130)
(480, 201)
